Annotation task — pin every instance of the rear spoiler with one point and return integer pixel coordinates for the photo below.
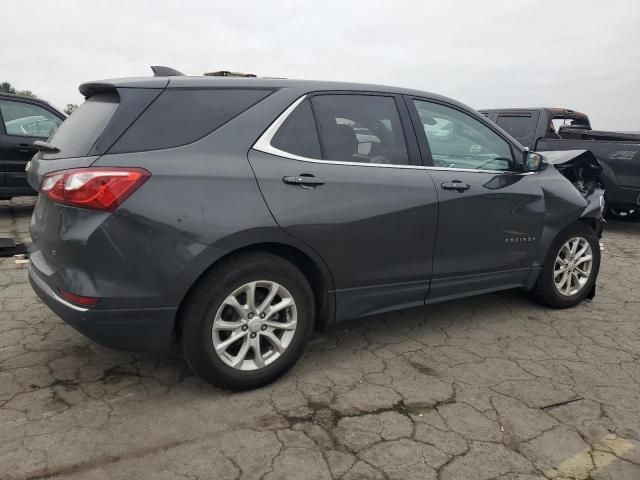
(158, 81)
(111, 86)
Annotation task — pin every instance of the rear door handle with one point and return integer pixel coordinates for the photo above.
(456, 185)
(308, 181)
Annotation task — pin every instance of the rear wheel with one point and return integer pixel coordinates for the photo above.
(247, 321)
(570, 270)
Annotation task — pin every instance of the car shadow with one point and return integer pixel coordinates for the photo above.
(114, 373)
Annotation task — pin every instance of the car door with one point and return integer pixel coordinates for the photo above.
(22, 124)
(339, 172)
(490, 211)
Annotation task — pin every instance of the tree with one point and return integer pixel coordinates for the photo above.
(6, 87)
(70, 108)
(25, 93)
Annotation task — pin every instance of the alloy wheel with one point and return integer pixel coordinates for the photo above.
(254, 325)
(572, 267)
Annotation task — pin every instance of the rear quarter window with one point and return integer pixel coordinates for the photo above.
(181, 116)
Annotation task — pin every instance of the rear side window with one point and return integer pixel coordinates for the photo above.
(181, 116)
(298, 134)
(79, 132)
(360, 128)
(516, 125)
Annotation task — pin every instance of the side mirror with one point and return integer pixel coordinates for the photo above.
(532, 161)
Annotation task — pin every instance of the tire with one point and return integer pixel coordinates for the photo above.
(211, 299)
(616, 212)
(546, 291)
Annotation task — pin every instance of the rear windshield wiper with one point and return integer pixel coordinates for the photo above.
(45, 147)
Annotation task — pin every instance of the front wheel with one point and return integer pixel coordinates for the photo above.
(570, 269)
(247, 321)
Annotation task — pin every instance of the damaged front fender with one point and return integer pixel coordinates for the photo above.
(582, 169)
(572, 192)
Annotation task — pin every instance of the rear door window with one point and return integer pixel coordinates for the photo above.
(515, 125)
(79, 132)
(181, 116)
(27, 120)
(360, 128)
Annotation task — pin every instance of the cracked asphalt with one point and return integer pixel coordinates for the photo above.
(492, 387)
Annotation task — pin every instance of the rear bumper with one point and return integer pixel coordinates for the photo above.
(147, 329)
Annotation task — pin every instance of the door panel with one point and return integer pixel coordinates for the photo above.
(374, 226)
(488, 235)
(15, 153)
(490, 216)
(23, 123)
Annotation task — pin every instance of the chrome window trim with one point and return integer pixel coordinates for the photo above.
(263, 144)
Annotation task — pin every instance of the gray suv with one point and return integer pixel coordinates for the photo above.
(235, 215)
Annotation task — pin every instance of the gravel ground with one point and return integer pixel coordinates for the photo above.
(492, 387)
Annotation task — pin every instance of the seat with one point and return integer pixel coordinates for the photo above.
(340, 143)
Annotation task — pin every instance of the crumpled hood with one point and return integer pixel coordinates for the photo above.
(580, 167)
(563, 156)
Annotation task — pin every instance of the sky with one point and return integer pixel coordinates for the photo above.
(513, 53)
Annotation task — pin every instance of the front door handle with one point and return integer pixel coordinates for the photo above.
(456, 185)
(304, 180)
(25, 147)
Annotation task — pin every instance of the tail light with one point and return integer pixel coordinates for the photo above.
(101, 189)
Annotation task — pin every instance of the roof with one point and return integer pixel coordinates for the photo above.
(90, 88)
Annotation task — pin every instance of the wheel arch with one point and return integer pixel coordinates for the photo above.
(592, 222)
(309, 263)
(551, 237)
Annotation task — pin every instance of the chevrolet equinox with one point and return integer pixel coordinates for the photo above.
(235, 215)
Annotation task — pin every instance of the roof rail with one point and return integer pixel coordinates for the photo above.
(160, 71)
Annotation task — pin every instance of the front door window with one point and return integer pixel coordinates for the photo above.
(27, 120)
(457, 140)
